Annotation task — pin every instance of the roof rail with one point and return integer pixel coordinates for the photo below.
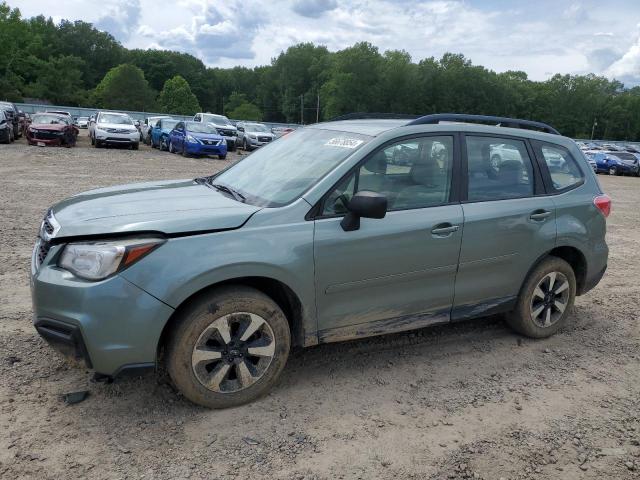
(374, 116)
(498, 121)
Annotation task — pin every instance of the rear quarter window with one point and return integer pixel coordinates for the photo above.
(564, 171)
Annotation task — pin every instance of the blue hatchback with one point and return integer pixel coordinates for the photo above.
(196, 138)
(615, 163)
(160, 133)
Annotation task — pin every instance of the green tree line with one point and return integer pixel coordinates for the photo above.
(73, 63)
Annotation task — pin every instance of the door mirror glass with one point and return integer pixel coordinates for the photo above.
(364, 204)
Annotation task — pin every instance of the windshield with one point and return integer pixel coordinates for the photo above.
(114, 118)
(197, 127)
(256, 127)
(168, 123)
(49, 119)
(215, 118)
(282, 171)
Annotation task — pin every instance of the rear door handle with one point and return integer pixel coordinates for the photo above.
(540, 215)
(444, 230)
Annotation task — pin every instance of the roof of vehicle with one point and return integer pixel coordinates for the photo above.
(375, 127)
(115, 113)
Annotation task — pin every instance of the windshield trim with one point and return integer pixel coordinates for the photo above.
(301, 195)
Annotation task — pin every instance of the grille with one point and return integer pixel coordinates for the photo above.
(47, 227)
(225, 132)
(210, 142)
(46, 135)
(264, 139)
(117, 130)
(42, 252)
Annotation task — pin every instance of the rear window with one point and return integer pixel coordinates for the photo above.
(624, 156)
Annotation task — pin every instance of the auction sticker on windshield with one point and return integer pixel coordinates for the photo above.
(343, 142)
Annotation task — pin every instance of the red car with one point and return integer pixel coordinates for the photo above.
(51, 129)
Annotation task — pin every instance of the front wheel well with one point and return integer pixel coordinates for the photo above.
(280, 293)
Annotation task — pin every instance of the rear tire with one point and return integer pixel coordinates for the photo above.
(613, 171)
(550, 287)
(207, 358)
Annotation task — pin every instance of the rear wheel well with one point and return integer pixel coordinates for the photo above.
(280, 293)
(578, 262)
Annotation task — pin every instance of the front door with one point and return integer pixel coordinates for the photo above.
(509, 223)
(398, 272)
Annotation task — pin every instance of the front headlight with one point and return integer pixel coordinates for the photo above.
(98, 260)
(251, 135)
(191, 139)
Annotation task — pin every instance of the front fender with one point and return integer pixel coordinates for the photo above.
(184, 266)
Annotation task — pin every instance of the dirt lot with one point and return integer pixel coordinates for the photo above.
(471, 400)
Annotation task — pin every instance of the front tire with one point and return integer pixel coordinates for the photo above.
(545, 300)
(228, 347)
(222, 157)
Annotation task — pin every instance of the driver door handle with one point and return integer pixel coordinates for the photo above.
(444, 230)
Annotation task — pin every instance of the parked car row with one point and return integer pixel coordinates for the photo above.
(612, 159)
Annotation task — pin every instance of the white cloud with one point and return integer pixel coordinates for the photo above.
(540, 38)
(627, 68)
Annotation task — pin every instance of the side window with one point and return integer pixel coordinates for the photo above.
(499, 168)
(197, 118)
(179, 126)
(159, 124)
(563, 169)
(414, 173)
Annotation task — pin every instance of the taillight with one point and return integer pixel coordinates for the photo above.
(603, 202)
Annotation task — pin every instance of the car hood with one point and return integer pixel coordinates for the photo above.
(119, 126)
(261, 134)
(206, 136)
(48, 126)
(226, 126)
(170, 207)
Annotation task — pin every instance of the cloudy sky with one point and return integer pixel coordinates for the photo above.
(541, 37)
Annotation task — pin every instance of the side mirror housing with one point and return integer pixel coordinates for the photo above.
(364, 204)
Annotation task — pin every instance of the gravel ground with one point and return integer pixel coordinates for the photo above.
(471, 400)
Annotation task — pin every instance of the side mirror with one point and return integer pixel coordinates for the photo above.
(241, 129)
(364, 204)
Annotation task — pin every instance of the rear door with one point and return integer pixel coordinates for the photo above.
(398, 272)
(509, 222)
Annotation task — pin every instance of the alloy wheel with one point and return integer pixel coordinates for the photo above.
(550, 299)
(613, 171)
(233, 352)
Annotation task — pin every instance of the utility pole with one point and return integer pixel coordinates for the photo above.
(593, 129)
(301, 109)
(318, 110)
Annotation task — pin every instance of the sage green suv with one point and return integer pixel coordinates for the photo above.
(336, 231)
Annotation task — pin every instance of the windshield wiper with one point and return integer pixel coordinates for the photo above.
(223, 188)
